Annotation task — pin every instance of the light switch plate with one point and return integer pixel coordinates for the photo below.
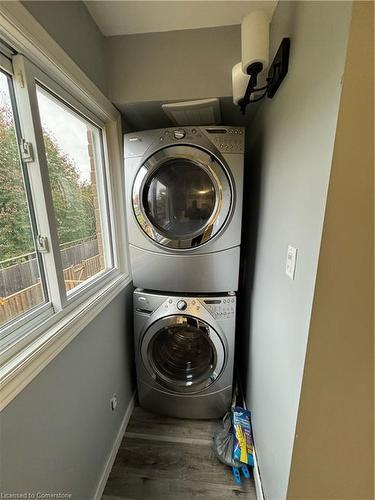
(291, 258)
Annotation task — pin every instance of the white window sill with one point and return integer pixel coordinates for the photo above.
(19, 370)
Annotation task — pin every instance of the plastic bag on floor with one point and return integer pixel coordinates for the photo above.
(223, 445)
(223, 441)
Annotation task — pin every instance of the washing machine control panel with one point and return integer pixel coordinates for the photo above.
(182, 304)
(219, 308)
(228, 139)
(223, 308)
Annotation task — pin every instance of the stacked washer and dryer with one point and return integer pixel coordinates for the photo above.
(184, 208)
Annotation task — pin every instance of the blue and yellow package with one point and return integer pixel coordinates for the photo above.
(243, 449)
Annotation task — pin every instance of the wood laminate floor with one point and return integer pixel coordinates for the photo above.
(167, 458)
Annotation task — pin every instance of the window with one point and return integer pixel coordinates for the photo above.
(62, 214)
(21, 288)
(73, 149)
(55, 193)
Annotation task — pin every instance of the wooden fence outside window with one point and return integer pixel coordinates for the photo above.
(17, 303)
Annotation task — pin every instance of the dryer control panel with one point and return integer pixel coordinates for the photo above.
(228, 140)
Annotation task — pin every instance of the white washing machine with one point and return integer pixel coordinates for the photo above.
(184, 207)
(184, 351)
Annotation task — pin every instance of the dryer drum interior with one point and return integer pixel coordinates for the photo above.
(184, 354)
(179, 198)
(182, 197)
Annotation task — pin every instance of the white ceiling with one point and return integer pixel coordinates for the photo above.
(138, 16)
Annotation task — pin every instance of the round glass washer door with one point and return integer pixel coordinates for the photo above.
(182, 197)
(182, 353)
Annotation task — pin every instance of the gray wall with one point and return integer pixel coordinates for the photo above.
(57, 434)
(173, 65)
(73, 28)
(291, 143)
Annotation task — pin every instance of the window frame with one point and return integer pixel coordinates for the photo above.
(6, 63)
(58, 94)
(44, 310)
(38, 175)
(33, 339)
(25, 89)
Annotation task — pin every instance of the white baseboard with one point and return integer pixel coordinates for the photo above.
(116, 445)
(256, 473)
(257, 480)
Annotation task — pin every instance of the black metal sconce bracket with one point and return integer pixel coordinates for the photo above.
(276, 74)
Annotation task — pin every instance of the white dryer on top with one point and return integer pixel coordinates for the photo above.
(184, 207)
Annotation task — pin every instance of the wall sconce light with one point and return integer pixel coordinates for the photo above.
(255, 55)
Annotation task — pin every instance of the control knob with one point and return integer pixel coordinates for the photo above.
(179, 134)
(181, 305)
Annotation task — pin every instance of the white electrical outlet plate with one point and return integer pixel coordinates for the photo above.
(291, 258)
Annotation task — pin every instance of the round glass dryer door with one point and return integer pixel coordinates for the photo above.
(182, 197)
(182, 353)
